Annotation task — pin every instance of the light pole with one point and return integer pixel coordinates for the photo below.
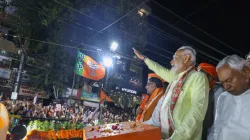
(19, 73)
(21, 65)
(108, 63)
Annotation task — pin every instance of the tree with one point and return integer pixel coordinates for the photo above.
(70, 22)
(42, 22)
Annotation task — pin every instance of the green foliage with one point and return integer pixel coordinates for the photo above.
(30, 126)
(52, 21)
(3, 4)
(40, 21)
(79, 125)
(73, 125)
(43, 126)
(58, 126)
(101, 123)
(66, 125)
(52, 125)
(35, 124)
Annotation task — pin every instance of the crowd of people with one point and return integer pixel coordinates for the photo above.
(26, 108)
(118, 114)
(77, 112)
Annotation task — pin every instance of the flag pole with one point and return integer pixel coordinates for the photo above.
(73, 84)
(100, 106)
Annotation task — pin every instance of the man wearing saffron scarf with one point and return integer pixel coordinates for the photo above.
(181, 110)
(214, 93)
(154, 93)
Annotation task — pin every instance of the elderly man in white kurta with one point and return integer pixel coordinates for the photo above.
(233, 106)
(181, 110)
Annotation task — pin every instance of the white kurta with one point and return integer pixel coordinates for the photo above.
(162, 106)
(232, 119)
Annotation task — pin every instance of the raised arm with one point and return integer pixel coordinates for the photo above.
(161, 71)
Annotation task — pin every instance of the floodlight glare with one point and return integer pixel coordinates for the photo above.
(107, 61)
(113, 46)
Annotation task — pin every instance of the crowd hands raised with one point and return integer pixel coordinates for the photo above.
(26, 108)
(117, 114)
(75, 113)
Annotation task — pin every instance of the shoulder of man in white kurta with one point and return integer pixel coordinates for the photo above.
(225, 103)
(246, 92)
(222, 100)
(225, 97)
(217, 94)
(235, 108)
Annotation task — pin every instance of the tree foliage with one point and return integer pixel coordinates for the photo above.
(70, 22)
(44, 22)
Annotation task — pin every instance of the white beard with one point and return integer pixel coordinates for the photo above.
(177, 68)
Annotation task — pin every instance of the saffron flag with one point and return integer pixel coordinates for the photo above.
(104, 96)
(88, 67)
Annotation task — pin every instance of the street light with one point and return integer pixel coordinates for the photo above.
(107, 61)
(113, 46)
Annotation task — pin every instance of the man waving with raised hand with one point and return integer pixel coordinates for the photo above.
(181, 110)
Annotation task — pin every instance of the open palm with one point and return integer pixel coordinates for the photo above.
(138, 54)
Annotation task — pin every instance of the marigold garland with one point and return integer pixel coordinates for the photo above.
(52, 135)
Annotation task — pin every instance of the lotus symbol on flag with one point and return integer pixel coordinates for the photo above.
(88, 67)
(92, 65)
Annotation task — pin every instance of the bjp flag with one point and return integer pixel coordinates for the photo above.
(88, 67)
(104, 96)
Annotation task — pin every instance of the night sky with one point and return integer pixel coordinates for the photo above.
(222, 28)
(224, 20)
(215, 28)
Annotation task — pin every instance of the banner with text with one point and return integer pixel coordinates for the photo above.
(28, 91)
